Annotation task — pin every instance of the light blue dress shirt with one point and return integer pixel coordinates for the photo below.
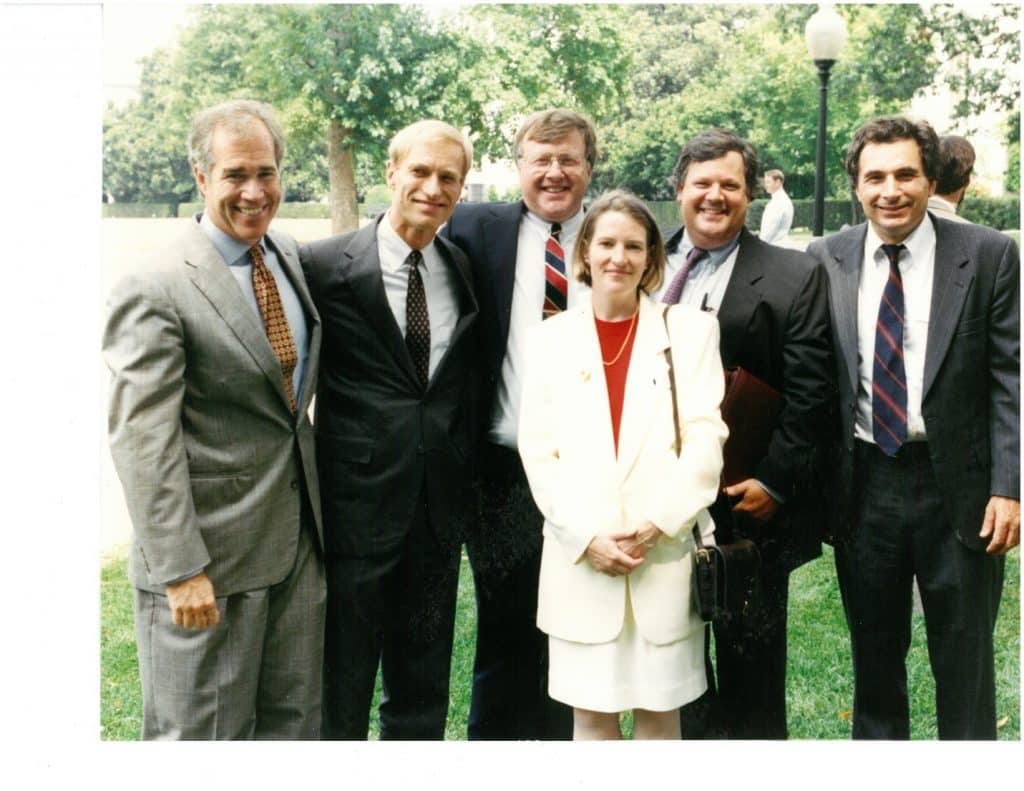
(236, 256)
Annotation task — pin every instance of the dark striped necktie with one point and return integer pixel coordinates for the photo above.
(889, 378)
(556, 285)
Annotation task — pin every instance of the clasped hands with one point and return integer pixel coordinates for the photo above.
(617, 554)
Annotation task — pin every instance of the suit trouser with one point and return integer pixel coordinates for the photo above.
(396, 610)
(256, 675)
(902, 531)
(510, 672)
(746, 697)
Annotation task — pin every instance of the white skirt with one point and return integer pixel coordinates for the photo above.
(627, 673)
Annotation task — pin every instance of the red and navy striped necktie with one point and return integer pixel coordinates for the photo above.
(889, 378)
(556, 285)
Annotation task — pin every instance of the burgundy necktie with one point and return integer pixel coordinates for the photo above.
(675, 288)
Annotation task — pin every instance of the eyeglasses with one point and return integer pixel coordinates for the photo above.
(565, 163)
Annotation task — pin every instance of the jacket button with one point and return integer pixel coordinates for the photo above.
(294, 484)
(419, 449)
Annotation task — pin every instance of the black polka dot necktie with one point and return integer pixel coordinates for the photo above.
(417, 320)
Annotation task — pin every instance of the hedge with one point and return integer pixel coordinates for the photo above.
(999, 213)
(837, 213)
(139, 210)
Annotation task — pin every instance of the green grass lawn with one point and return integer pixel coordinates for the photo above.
(820, 686)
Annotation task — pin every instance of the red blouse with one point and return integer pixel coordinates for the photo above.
(612, 336)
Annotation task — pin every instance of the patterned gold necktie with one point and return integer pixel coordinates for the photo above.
(274, 321)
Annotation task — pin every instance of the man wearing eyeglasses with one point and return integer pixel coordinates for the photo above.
(519, 253)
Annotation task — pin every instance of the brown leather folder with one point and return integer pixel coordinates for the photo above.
(750, 408)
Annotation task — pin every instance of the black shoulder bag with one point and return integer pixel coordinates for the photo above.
(726, 577)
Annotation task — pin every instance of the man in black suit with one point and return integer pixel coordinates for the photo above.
(394, 438)
(926, 326)
(772, 306)
(507, 243)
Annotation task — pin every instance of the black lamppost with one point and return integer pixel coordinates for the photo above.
(825, 34)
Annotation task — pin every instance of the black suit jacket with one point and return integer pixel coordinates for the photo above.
(489, 234)
(971, 387)
(774, 323)
(383, 441)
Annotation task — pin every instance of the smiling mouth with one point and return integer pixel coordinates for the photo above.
(250, 212)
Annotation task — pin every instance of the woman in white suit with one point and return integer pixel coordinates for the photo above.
(597, 439)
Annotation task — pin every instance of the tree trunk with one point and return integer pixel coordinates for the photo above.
(341, 168)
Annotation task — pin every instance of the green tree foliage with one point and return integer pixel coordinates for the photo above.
(981, 56)
(346, 77)
(746, 68)
(144, 142)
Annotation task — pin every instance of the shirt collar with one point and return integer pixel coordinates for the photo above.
(716, 256)
(234, 252)
(918, 243)
(569, 227)
(395, 249)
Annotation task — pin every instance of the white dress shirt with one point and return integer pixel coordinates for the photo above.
(705, 285)
(777, 218)
(527, 311)
(439, 287)
(917, 269)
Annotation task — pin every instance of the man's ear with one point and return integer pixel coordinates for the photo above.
(200, 180)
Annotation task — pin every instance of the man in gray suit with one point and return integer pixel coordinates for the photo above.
(925, 322)
(213, 352)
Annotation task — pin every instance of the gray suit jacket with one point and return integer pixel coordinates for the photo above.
(213, 463)
(971, 392)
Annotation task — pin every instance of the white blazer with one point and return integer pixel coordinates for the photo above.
(565, 440)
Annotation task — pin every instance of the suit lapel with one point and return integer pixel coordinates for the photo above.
(501, 237)
(741, 298)
(954, 271)
(844, 275)
(467, 303)
(287, 255)
(647, 371)
(592, 416)
(213, 278)
(360, 264)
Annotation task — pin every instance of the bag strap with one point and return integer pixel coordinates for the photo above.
(677, 446)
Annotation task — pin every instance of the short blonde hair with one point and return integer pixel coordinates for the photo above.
(425, 131)
(629, 204)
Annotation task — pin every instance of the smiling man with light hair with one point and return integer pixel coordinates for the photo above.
(394, 440)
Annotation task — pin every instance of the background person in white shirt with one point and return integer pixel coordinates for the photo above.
(778, 214)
